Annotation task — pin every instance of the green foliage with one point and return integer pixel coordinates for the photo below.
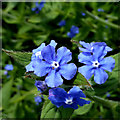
(23, 58)
(83, 109)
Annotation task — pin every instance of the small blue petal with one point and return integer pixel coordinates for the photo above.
(68, 71)
(53, 79)
(74, 29)
(86, 70)
(98, 52)
(38, 100)
(100, 10)
(41, 68)
(85, 45)
(5, 72)
(100, 76)
(33, 9)
(83, 14)
(108, 64)
(41, 85)
(53, 43)
(76, 92)
(63, 55)
(29, 67)
(62, 23)
(82, 102)
(48, 53)
(71, 35)
(59, 93)
(9, 67)
(86, 59)
(39, 48)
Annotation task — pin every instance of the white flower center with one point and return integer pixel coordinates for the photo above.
(38, 53)
(55, 64)
(96, 64)
(69, 101)
(91, 48)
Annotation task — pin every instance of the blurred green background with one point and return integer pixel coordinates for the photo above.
(24, 30)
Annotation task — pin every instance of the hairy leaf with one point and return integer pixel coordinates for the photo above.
(23, 58)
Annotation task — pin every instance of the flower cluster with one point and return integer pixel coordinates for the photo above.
(93, 56)
(38, 7)
(73, 31)
(8, 67)
(45, 61)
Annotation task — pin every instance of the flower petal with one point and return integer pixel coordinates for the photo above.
(108, 63)
(48, 53)
(59, 92)
(84, 50)
(86, 71)
(68, 71)
(39, 48)
(53, 43)
(53, 79)
(76, 92)
(85, 58)
(29, 67)
(81, 102)
(100, 76)
(85, 45)
(55, 101)
(63, 55)
(98, 52)
(41, 68)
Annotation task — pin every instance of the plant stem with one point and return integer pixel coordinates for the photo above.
(102, 20)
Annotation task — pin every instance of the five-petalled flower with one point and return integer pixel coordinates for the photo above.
(55, 65)
(70, 99)
(96, 64)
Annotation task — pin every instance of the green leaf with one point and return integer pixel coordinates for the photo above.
(10, 6)
(34, 19)
(114, 74)
(40, 39)
(83, 109)
(24, 29)
(51, 111)
(81, 80)
(107, 103)
(6, 93)
(23, 58)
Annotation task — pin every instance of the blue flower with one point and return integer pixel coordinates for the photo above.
(89, 47)
(37, 55)
(41, 85)
(38, 100)
(9, 67)
(83, 14)
(55, 65)
(107, 94)
(5, 72)
(73, 31)
(62, 23)
(38, 6)
(100, 10)
(72, 99)
(96, 64)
